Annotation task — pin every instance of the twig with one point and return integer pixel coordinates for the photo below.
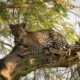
(73, 13)
(72, 58)
(6, 44)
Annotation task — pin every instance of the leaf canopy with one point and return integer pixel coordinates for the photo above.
(37, 15)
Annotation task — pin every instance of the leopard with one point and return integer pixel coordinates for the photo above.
(37, 41)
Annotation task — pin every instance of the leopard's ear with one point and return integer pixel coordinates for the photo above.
(10, 25)
(23, 25)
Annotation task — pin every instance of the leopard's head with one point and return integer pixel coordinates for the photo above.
(18, 31)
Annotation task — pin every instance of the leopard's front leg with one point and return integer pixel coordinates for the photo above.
(27, 50)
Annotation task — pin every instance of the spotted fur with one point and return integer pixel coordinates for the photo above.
(38, 40)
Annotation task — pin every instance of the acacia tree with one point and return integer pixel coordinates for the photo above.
(37, 15)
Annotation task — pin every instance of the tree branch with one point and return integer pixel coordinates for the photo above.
(15, 6)
(13, 66)
(6, 43)
(73, 6)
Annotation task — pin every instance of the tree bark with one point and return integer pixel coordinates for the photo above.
(13, 66)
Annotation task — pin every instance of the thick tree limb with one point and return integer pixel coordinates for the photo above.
(12, 66)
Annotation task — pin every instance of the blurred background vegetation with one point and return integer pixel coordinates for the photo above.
(37, 15)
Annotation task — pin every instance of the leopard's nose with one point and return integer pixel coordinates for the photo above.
(16, 40)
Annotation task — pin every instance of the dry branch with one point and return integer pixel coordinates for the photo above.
(74, 6)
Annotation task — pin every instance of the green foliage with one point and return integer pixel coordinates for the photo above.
(37, 15)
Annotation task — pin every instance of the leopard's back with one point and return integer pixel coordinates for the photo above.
(45, 39)
(59, 41)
